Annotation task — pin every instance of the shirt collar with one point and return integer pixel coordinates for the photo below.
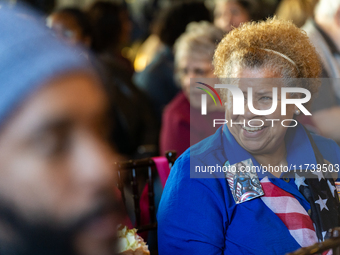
(298, 146)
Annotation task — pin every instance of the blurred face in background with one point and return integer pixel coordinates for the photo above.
(67, 28)
(57, 174)
(194, 66)
(126, 27)
(229, 15)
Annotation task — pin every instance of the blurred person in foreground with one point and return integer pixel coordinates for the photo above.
(255, 210)
(157, 80)
(45, 7)
(324, 31)
(230, 14)
(56, 169)
(194, 51)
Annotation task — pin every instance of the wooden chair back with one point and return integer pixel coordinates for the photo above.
(135, 169)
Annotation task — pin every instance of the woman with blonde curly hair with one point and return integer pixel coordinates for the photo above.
(260, 184)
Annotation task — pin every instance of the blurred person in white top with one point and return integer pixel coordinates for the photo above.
(324, 33)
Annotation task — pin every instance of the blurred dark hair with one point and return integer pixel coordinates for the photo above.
(80, 17)
(251, 6)
(45, 6)
(257, 9)
(106, 24)
(171, 22)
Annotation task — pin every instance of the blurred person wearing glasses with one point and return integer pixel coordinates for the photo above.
(194, 51)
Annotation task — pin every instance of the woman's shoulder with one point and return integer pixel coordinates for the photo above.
(329, 149)
(211, 145)
(207, 152)
(324, 143)
(182, 179)
(203, 149)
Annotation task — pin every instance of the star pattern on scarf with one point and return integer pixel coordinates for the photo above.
(319, 174)
(332, 188)
(299, 181)
(324, 234)
(322, 203)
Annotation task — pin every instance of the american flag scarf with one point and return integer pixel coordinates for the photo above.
(290, 211)
(319, 190)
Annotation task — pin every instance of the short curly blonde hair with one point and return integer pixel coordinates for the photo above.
(243, 46)
(253, 45)
(261, 45)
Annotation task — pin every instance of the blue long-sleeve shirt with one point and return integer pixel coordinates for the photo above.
(199, 215)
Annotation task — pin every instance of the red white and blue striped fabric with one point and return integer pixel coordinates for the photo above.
(290, 211)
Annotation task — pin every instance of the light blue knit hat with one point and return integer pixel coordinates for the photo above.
(29, 55)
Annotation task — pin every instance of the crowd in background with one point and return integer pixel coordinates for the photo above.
(144, 69)
(147, 76)
(146, 62)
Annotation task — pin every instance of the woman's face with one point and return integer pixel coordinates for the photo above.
(67, 28)
(194, 67)
(228, 15)
(270, 136)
